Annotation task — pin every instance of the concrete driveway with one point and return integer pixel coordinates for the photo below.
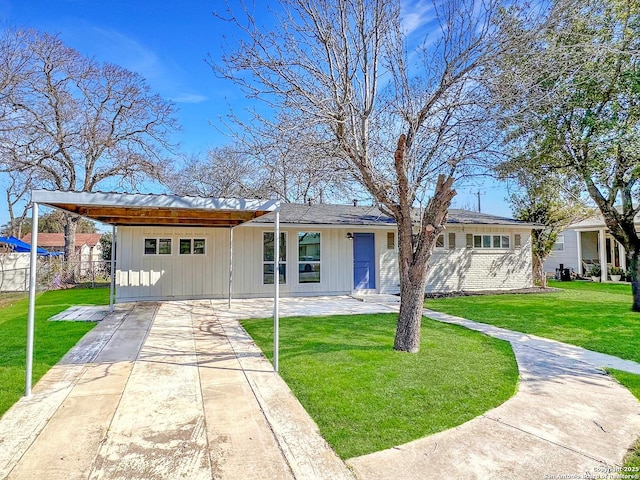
(167, 391)
(178, 390)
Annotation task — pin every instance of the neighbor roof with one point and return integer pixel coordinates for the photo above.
(138, 210)
(324, 214)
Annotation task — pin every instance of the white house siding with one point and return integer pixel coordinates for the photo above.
(470, 269)
(568, 257)
(142, 276)
(177, 276)
(336, 262)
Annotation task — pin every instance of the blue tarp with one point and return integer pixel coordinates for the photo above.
(20, 246)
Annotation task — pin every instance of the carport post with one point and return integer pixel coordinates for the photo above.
(230, 264)
(112, 283)
(276, 294)
(32, 298)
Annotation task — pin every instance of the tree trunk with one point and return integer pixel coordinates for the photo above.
(634, 271)
(539, 276)
(70, 257)
(413, 281)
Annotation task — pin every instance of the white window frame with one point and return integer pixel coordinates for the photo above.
(487, 241)
(311, 262)
(560, 243)
(280, 262)
(157, 249)
(192, 241)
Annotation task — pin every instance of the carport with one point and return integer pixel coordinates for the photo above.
(120, 209)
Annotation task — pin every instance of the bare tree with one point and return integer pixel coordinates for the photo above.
(222, 173)
(17, 188)
(407, 121)
(294, 161)
(76, 123)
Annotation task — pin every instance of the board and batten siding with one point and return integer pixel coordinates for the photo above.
(336, 262)
(469, 269)
(176, 276)
(155, 277)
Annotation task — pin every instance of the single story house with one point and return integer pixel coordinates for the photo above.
(584, 244)
(170, 247)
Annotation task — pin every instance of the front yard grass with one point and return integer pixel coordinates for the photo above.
(366, 397)
(596, 316)
(51, 339)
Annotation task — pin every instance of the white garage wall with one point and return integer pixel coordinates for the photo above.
(140, 276)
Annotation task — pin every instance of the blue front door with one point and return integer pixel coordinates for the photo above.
(364, 261)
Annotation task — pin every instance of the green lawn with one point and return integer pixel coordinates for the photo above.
(366, 397)
(51, 339)
(596, 316)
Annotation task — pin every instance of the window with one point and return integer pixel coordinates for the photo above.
(558, 246)
(308, 257)
(150, 246)
(391, 240)
(517, 240)
(440, 241)
(489, 241)
(268, 258)
(155, 246)
(452, 241)
(192, 246)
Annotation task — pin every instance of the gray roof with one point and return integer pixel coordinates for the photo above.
(324, 214)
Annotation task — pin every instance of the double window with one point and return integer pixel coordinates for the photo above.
(308, 257)
(192, 246)
(268, 258)
(157, 246)
(163, 246)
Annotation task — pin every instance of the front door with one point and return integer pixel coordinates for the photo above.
(364, 261)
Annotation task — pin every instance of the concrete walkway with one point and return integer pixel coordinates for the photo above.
(178, 390)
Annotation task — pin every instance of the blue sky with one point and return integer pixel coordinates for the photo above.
(167, 41)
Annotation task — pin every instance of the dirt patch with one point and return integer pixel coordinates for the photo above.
(491, 292)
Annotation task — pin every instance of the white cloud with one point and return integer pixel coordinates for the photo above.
(416, 14)
(188, 98)
(123, 50)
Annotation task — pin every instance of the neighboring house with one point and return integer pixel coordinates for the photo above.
(173, 247)
(88, 247)
(326, 250)
(581, 245)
